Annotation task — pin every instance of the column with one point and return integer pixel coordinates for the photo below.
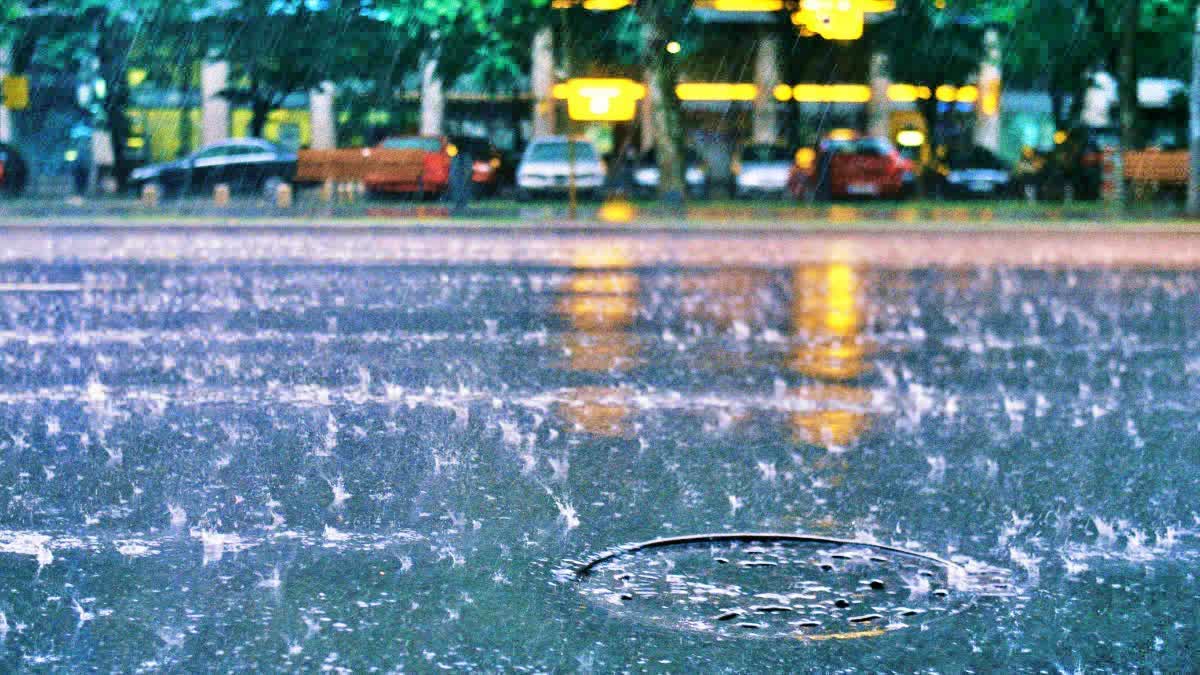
(214, 111)
(321, 117)
(645, 111)
(433, 99)
(879, 108)
(987, 108)
(542, 80)
(6, 124)
(766, 76)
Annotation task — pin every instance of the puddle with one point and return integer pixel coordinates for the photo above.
(763, 585)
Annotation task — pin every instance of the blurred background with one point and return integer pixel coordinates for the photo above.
(808, 99)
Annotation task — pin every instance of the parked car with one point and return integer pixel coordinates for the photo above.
(853, 167)
(432, 177)
(486, 161)
(975, 172)
(14, 172)
(245, 164)
(546, 166)
(761, 170)
(695, 174)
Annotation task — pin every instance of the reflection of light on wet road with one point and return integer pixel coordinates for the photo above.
(828, 316)
(600, 302)
(840, 416)
(601, 411)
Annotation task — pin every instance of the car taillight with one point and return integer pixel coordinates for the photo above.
(735, 167)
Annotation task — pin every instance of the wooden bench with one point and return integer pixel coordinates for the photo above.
(1157, 166)
(357, 164)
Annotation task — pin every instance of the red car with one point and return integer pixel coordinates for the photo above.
(853, 167)
(432, 177)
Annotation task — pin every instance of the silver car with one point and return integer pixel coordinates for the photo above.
(762, 170)
(546, 168)
(646, 175)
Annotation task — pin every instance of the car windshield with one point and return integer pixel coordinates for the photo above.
(426, 143)
(976, 158)
(766, 153)
(472, 145)
(557, 152)
(691, 157)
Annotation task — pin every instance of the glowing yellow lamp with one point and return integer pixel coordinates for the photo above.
(594, 99)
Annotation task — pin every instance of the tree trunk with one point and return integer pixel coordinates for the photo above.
(260, 108)
(112, 52)
(929, 111)
(1057, 108)
(665, 113)
(1078, 97)
(1127, 85)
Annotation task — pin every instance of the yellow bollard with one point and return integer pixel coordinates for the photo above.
(221, 194)
(283, 196)
(150, 195)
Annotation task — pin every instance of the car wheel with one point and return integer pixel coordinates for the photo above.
(270, 186)
(159, 188)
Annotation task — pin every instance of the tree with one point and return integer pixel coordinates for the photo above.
(455, 37)
(928, 46)
(99, 39)
(276, 48)
(661, 21)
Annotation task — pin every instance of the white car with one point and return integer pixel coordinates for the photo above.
(545, 168)
(646, 175)
(762, 169)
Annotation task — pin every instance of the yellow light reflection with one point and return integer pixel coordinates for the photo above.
(617, 211)
(600, 411)
(599, 301)
(830, 426)
(828, 318)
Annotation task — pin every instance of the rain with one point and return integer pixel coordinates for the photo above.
(599, 336)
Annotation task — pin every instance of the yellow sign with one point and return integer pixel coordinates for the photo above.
(741, 5)
(16, 92)
(831, 19)
(715, 91)
(831, 93)
(592, 5)
(594, 99)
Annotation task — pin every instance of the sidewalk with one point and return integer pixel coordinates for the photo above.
(615, 215)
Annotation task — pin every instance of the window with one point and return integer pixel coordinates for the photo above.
(557, 152)
(413, 143)
(766, 153)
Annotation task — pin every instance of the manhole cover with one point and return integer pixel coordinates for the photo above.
(781, 585)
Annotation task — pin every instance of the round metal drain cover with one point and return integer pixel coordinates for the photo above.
(781, 585)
